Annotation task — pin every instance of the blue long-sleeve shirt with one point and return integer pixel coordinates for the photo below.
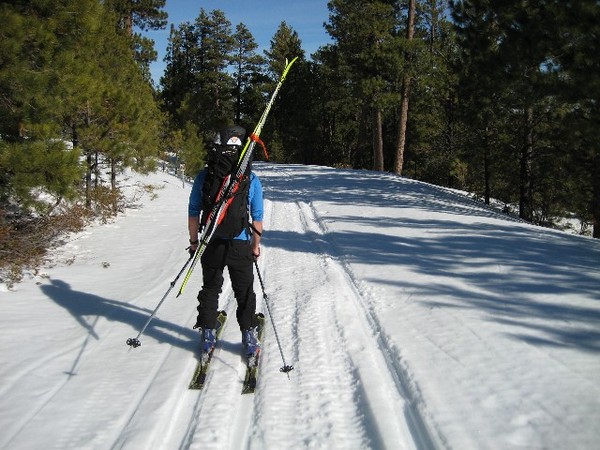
(255, 200)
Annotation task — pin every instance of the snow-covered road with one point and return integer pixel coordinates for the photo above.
(414, 317)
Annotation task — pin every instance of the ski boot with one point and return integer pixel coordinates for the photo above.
(208, 339)
(251, 344)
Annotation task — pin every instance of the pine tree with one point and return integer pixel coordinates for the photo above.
(575, 35)
(432, 127)
(80, 85)
(334, 111)
(196, 86)
(510, 70)
(405, 91)
(127, 120)
(213, 98)
(479, 93)
(285, 131)
(365, 36)
(38, 64)
(179, 82)
(248, 68)
(193, 152)
(133, 15)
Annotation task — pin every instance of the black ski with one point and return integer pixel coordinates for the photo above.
(252, 363)
(206, 357)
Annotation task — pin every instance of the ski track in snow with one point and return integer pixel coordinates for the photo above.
(392, 377)
(342, 322)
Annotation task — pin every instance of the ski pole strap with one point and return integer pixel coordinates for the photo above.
(254, 137)
(254, 229)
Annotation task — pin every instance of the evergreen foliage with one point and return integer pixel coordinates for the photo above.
(72, 97)
(196, 86)
(192, 149)
(519, 66)
(364, 32)
(286, 131)
(248, 75)
(500, 100)
(134, 15)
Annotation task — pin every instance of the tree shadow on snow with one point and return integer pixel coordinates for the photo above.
(362, 188)
(516, 273)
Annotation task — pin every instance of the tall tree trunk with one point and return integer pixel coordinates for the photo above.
(113, 184)
(596, 197)
(406, 80)
(88, 158)
(402, 125)
(88, 180)
(487, 173)
(525, 201)
(88, 169)
(128, 23)
(358, 158)
(96, 170)
(238, 95)
(377, 139)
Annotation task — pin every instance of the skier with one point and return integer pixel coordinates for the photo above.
(234, 245)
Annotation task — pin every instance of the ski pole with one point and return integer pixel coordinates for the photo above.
(286, 368)
(135, 342)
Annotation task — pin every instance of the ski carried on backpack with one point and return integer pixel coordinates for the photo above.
(231, 183)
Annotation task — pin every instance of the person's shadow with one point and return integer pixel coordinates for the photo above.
(86, 309)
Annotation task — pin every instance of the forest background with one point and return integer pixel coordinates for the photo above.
(497, 98)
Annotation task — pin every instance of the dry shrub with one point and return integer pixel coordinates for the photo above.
(25, 242)
(106, 203)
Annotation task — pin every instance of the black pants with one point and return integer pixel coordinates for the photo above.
(236, 255)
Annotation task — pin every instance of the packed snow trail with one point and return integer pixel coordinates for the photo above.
(315, 305)
(414, 318)
(314, 300)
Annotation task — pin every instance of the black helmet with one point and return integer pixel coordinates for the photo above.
(227, 147)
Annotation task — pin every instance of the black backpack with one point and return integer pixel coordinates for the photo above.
(222, 161)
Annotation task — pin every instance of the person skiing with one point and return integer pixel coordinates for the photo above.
(235, 243)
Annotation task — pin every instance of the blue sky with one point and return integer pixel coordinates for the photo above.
(262, 17)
